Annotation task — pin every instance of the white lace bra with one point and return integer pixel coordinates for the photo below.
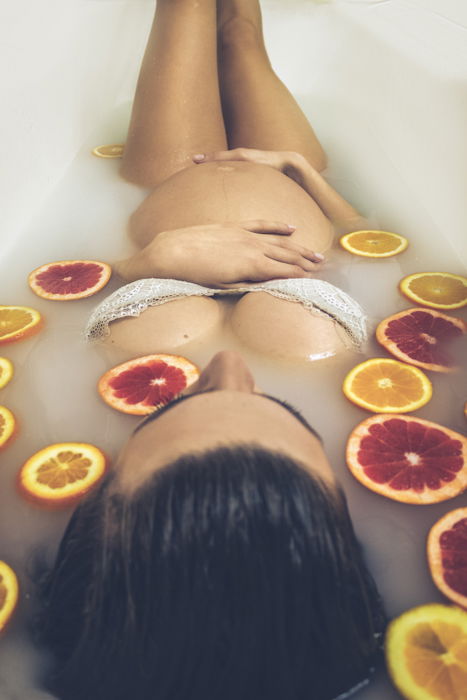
(315, 295)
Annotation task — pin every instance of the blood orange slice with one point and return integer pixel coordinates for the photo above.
(146, 383)
(7, 426)
(6, 371)
(67, 280)
(419, 337)
(113, 150)
(374, 244)
(408, 459)
(61, 474)
(440, 290)
(18, 322)
(9, 593)
(426, 653)
(447, 555)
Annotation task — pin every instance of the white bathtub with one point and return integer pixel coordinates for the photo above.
(384, 84)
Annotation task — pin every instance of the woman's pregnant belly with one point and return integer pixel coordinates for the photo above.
(231, 192)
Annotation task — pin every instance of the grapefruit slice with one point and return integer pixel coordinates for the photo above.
(387, 386)
(113, 150)
(18, 322)
(7, 426)
(9, 593)
(408, 459)
(419, 337)
(426, 653)
(61, 474)
(447, 555)
(146, 383)
(374, 244)
(67, 280)
(439, 290)
(6, 371)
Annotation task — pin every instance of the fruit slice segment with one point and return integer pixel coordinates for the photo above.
(61, 474)
(7, 426)
(18, 322)
(419, 337)
(374, 244)
(146, 383)
(387, 386)
(113, 150)
(408, 459)
(447, 555)
(67, 280)
(439, 290)
(6, 371)
(9, 592)
(426, 653)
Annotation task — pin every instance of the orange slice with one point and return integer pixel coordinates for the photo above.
(114, 150)
(18, 322)
(9, 593)
(374, 244)
(426, 653)
(387, 386)
(447, 555)
(6, 371)
(420, 336)
(61, 474)
(142, 385)
(7, 426)
(439, 290)
(67, 280)
(407, 459)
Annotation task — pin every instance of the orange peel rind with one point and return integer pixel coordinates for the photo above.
(373, 244)
(9, 594)
(6, 371)
(18, 322)
(68, 280)
(113, 150)
(438, 290)
(446, 552)
(8, 426)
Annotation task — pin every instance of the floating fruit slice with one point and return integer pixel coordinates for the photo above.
(18, 322)
(6, 371)
(374, 244)
(447, 555)
(9, 593)
(387, 386)
(426, 653)
(7, 426)
(114, 150)
(69, 279)
(408, 459)
(61, 474)
(146, 383)
(419, 337)
(439, 290)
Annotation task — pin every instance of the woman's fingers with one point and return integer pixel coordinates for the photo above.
(291, 258)
(286, 244)
(264, 226)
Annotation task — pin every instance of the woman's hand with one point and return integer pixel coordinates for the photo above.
(223, 255)
(287, 162)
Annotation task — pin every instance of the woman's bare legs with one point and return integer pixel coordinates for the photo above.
(177, 109)
(259, 111)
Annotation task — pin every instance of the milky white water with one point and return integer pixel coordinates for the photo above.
(54, 398)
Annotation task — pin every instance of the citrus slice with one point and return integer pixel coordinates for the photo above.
(69, 279)
(426, 653)
(374, 244)
(419, 337)
(9, 593)
(7, 426)
(387, 386)
(61, 474)
(113, 150)
(447, 555)
(408, 459)
(18, 322)
(146, 383)
(6, 371)
(439, 290)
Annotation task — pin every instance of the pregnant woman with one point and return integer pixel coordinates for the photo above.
(217, 560)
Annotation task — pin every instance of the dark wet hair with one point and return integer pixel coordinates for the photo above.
(231, 574)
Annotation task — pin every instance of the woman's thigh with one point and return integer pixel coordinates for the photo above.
(282, 328)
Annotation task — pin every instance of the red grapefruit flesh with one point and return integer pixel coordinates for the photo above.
(69, 279)
(408, 459)
(142, 385)
(447, 555)
(420, 337)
